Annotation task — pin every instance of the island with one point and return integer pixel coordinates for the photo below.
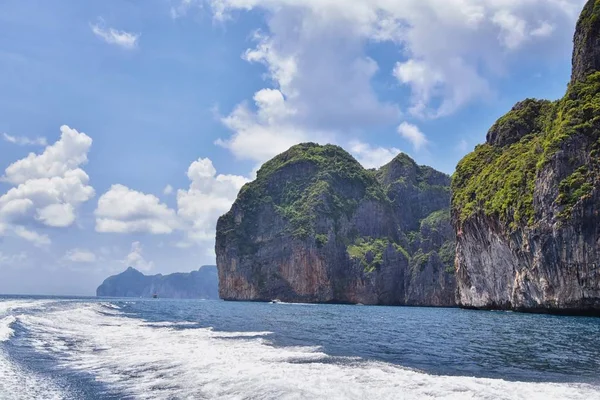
(317, 227)
(201, 284)
(526, 204)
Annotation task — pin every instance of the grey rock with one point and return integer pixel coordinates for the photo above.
(264, 254)
(201, 284)
(550, 264)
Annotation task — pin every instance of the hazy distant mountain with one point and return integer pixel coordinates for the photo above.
(201, 284)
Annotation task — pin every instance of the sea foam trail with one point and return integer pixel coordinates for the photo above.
(7, 317)
(17, 383)
(5, 327)
(158, 361)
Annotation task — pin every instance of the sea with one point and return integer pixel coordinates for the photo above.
(88, 348)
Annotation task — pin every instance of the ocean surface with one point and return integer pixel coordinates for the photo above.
(53, 348)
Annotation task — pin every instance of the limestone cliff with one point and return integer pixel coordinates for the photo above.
(201, 284)
(315, 226)
(526, 203)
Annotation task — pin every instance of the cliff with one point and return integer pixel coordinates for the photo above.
(526, 204)
(315, 226)
(201, 284)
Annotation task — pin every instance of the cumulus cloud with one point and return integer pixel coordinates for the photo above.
(123, 210)
(47, 188)
(321, 87)
(136, 259)
(168, 190)
(80, 256)
(316, 57)
(24, 141)
(261, 135)
(413, 134)
(372, 156)
(209, 196)
(69, 152)
(125, 40)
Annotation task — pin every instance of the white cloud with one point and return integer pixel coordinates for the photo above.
(123, 210)
(321, 80)
(168, 190)
(413, 134)
(122, 39)
(24, 141)
(57, 215)
(513, 30)
(48, 187)
(208, 197)
(35, 238)
(13, 260)
(261, 135)
(80, 256)
(69, 152)
(136, 259)
(372, 156)
(316, 56)
(544, 30)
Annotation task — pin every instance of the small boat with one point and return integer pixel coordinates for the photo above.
(275, 301)
(155, 296)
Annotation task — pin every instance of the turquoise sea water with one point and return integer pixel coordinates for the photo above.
(53, 348)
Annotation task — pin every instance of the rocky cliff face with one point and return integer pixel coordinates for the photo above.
(201, 284)
(526, 204)
(316, 226)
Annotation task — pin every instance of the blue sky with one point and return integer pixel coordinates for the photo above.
(167, 107)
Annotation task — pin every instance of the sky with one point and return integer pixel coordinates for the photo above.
(127, 127)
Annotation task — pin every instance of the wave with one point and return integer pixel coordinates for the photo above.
(5, 327)
(110, 306)
(158, 361)
(17, 383)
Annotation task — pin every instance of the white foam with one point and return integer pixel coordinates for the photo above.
(6, 331)
(17, 383)
(110, 305)
(160, 362)
(10, 306)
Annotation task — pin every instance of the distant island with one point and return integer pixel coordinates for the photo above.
(201, 284)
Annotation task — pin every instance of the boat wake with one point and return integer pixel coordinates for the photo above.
(16, 382)
(151, 360)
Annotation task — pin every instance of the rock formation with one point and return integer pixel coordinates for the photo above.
(201, 284)
(315, 226)
(526, 204)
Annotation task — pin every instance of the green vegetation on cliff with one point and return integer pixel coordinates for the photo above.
(306, 183)
(498, 178)
(317, 191)
(315, 225)
(370, 252)
(310, 181)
